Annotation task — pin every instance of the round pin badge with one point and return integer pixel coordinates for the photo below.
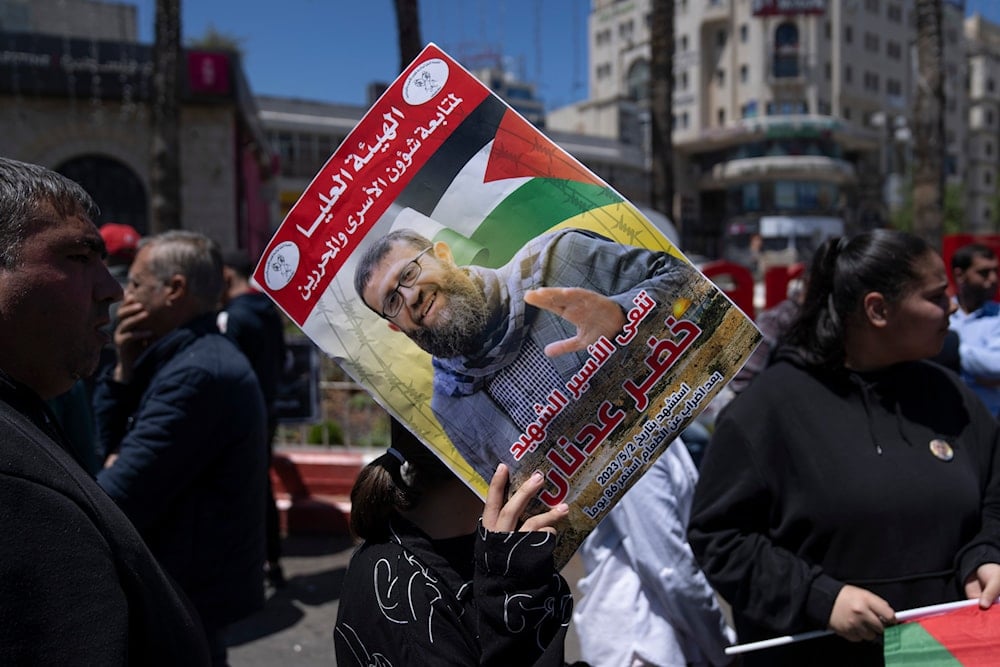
(941, 450)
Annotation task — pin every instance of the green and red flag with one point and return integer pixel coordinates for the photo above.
(968, 636)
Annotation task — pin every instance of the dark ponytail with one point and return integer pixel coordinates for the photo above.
(843, 271)
(393, 482)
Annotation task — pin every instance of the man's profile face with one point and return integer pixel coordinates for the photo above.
(54, 304)
(978, 283)
(152, 292)
(442, 310)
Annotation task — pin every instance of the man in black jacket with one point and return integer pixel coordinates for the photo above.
(77, 583)
(184, 412)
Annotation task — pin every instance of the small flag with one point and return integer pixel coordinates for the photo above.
(969, 637)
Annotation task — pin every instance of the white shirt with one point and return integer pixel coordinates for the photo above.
(645, 600)
(979, 349)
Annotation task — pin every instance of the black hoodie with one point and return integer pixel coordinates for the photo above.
(817, 478)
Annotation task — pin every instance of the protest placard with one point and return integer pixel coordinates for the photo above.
(478, 245)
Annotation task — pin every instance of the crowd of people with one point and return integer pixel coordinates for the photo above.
(851, 476)
(135, 436)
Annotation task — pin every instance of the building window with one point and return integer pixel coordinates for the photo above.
(827, 71)
(893, 87)
(684, 80)
(786, 50)
(894, 12)
(990, 85)
(744, 32)
(604, 70)
(721, 116)
(720, 77)
(847, 113)
(603, 37)
(871, 6)
(848, 34)
(637, 81)
(751, 196)
(720, 38)
(988, 148)
(893, 50)
(625, 30)
(827, 29)
(684, 43)
(987, 177)
(848, 74)
(950, 165)
(786, 108)
(744, 73)
(871, 42)
(871, 81)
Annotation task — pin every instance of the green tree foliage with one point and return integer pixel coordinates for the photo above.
(213, 40)
(954, 210)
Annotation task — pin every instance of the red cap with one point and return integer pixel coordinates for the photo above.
(120, 240)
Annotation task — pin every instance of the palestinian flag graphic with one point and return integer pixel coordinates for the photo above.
(968, 636)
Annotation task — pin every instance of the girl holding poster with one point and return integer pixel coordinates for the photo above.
(443, 579)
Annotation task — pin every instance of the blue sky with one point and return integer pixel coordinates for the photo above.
(331, 49)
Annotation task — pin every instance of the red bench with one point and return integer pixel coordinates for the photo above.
(313, 489)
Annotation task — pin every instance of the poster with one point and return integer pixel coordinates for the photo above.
(499, 298)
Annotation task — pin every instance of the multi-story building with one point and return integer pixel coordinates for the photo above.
(75, 95)
(514, 90)
(306, 132)
(982, 182)
(790, 118)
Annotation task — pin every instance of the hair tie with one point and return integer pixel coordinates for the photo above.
(396, 454)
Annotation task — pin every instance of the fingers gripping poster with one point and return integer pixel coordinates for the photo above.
(500, 299)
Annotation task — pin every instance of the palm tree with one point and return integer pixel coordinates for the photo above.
(213, 40)
(661, 78)
(408, 25)
(928, 125)
(165, 174)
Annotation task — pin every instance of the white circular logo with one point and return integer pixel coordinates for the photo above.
(281, 265)
(425, 81)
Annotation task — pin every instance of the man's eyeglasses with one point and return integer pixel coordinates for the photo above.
(393, 302)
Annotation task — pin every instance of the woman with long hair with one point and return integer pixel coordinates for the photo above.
(852, 479)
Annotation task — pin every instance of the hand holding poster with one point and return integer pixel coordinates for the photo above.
(499, 299)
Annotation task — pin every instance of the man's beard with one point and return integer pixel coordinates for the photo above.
(461, 323)
(983, 295)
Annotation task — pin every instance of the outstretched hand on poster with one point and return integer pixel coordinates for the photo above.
(593, 314)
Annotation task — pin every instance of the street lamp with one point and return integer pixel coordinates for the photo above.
(893, 164)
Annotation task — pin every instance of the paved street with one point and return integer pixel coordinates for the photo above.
(295, 627)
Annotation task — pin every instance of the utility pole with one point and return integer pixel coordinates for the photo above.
(928, 125)
(165, 175)
(661, 106)
(408, 26)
